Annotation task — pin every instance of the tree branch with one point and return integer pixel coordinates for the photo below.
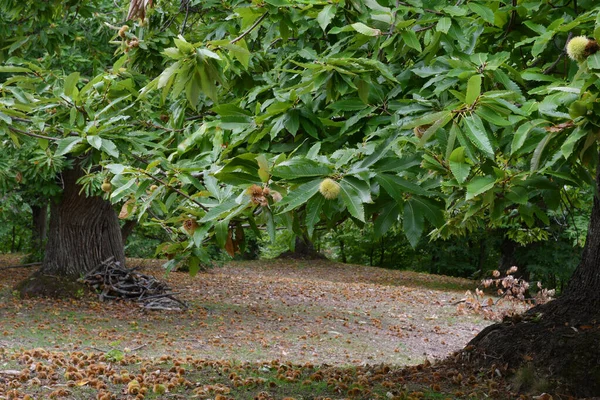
(34, 135)
(247, 31)
(154, 178)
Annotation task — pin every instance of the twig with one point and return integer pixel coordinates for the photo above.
(34, 135)
(21, 265)
(149, 175)
(247, 31)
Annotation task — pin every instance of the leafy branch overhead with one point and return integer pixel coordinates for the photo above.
(301, 115)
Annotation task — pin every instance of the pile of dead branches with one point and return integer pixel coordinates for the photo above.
(113, 281)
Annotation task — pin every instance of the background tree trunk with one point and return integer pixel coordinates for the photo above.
(84, 231)
(127, 229)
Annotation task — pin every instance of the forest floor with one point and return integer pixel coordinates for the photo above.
(254, 330)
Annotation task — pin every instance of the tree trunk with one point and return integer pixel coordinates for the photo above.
(304, 249)
(126, 229)
(84, 231)
(343, 251)
(558, 339)
(39, 226)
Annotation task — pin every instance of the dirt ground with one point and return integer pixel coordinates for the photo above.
(297, 311)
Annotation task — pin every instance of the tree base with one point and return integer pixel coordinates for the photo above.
(40, 285)
(545, 351)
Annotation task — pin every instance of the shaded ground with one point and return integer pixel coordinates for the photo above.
(278, 316)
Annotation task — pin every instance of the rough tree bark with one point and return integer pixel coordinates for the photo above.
(39, 223)
(84, 231)
(559, 340)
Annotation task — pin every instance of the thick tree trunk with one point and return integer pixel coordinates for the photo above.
(559, 339)
(39, 226)
(84, 231)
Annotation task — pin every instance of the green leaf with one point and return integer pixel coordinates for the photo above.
(109, 148)
(569, 144)
(483, 11)
(433, 211)
(444, 25)
(313, 212)
(473, 89)
(397, 187)
(387, 218)
(222, 232)
(479, 185)
(413, 223)
(361, 187)
(477, 134)
(365, 30)
(122, 191)
(66, 145)
(522, 132)
(95, 141)
(537, 153)
(352, 200)
(410, 39)
(5, 118)
(299, 195)
(460, 169)
(218, 210)
(70, 84)
(593, 61)
(325, 16)
(437, 125)
(12, 69)
(300, 168)
(425, 119)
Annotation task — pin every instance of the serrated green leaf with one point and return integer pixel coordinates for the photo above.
(473, 89)
(222, 232)
(444, 25)
(437, 125)
(433, 211)
(569, 144)
(484, 12)
(460, 169)
(413, 223)
(13, 69)
(387, 218)
(522, 132)
(365, 30)
(397, 187)
(313, 212)
(66, 145)
(537, 153)
(325, 16)
(300, 168)
(476, 132)
(410, 39)
(300, 195)
(479, 185)
(352, 200)
(70, 84)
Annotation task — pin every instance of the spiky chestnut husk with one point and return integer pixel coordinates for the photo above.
(190, 226)
(122, 31)
(329, 188)
(580, 47)
(106, 186)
